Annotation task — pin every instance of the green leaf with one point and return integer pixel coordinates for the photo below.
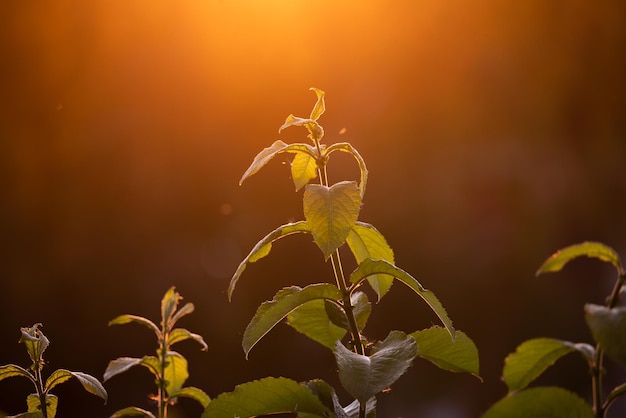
(263, 247)
(34, 404)
(286, 300)
(89, 383)
(265, 397)
(185, 310)
(176, 373)
(326, 394)
(608, 327)
(121, 364)
(312, 320)
(132, 412)
(347, 147)
(366, 242)
(531, 359)
(125, 319)
(181, 334)
(169, 303)
(35, 341)
(434, 344)
(11, 370)
(364, 376)
(331, 213)
(370, 267)
(263, 157)
(319, 107)
(541, 402)
(303, 169)
(361, 308)
(193, 393)
(587, 249)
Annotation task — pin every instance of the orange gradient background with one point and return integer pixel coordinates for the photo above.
(494, 132)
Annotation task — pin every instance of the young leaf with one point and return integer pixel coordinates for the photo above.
(132, 412)
(34, 404)
(185, 310)
(369, 267)
(263, 248)
(331, 212)
(531, 359)
(263, 157)
(366, 242)
(90, 383)
(267, 396)
(192, 393)
(168, 304)
(181, 334)
(434, 345)
(552, 402)
(319, 107)
(35, 341)
(364, 376)
(286, 300)
(589, 249)
(303, 169)
(312, 320)
(176, 373)
(608, 327)
(125, 319)
(11, 370)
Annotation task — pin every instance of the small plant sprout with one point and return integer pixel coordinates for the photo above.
(168, 367)
(335, 313)
(607, 324)
(42, 403)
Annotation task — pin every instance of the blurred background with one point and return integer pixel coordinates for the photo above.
(494, 132)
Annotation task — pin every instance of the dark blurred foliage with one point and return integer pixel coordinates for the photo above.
(495, 133)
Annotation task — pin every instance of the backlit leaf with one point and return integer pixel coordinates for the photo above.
(434, 344)
(120, 365)
(263, 248)
(263, 157)
(125, 319)
(35, 341)
(303, 169)
(286, 300)
(169, 303)
(347, 147)
(366, 242)
(608, 327)
(541, 402)
(369, 267)
(181, 334)
(587, 249)
(319, 107)
(33, 404)
(11, 370)
(312, 320)
(531, 359)
(265, 397)
(331, 212)
(364, 376)
(176, 373)
(192, 393)
(132, 412)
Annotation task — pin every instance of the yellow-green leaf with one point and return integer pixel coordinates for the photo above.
(366, 242)
(34, 404)
(319, 107)
(588, 249)
(331, 212)
(303, 169)
(175, 372)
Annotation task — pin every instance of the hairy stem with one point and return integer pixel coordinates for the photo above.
(41, 392)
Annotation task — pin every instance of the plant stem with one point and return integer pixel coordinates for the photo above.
(599, 408)
(340, 278)
(40, 389)
(161, 386)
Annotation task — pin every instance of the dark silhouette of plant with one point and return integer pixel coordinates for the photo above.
(42, 403)
(168, 367)
(608, 328)
(335, 313)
